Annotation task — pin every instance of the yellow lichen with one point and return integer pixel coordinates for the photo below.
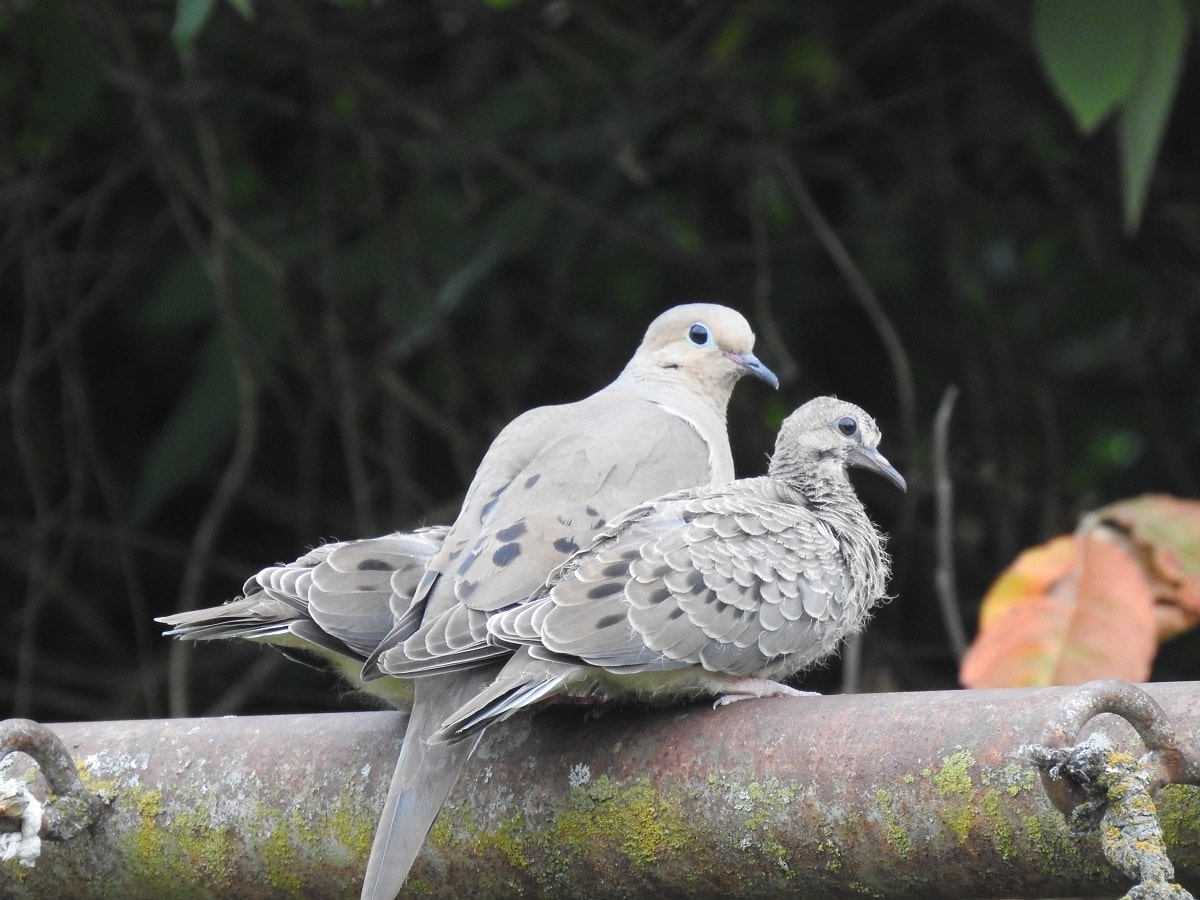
(634, 817)
(507, 838)
(897, 836)
(830, 850)
(993, 808)
(353, 832)
(953, 779)
(1179, 813)
(280, 858)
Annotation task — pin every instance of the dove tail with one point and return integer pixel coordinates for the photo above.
(511, 692)
(424, 776)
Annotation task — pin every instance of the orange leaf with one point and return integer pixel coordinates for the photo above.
(1112, 631)
(1073, 609)
(1165, 531)
(1035, 572)
(1021, 612)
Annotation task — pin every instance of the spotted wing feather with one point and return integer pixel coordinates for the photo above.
(732, 579)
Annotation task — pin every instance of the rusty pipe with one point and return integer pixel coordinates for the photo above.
(904, 795)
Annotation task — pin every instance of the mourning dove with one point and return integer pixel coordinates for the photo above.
(719, 590)
(549, 481)
(336, 602)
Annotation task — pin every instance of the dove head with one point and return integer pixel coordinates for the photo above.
(823, 437)
(711, 345)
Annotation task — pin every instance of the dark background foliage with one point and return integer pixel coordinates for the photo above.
(285, 284)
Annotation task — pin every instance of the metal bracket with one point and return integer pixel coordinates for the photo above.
(71, 809)
(1098, 788)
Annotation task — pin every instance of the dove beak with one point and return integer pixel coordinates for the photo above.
(755, 367)
(870, 458)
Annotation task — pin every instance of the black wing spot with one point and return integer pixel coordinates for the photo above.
(610, 621)
(592, 511)
(675, 613)
(506, 554)
(607, 589)
(531, 481)
(660, 595)
(372, 565)
(565, 545)
(615, 570)
(512, 532)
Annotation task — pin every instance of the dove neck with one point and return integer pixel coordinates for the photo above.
(823, 487)
(682, 397)
(821, 484)
(675, 386)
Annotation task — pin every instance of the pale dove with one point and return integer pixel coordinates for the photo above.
(336, 602)
(548, 482)
(719, 590)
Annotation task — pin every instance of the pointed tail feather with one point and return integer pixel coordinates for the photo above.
(523, 683)
(424, 776)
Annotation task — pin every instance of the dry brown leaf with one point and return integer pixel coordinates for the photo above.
(1165, 531)
(1076, 608)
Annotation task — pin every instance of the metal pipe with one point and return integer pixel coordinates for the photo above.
(901, 795)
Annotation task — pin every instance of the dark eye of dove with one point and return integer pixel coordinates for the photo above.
(699, 334)
(847, 425)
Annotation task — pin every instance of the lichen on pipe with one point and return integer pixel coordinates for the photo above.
(903, 795)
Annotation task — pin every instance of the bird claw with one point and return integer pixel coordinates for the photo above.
(757, 689)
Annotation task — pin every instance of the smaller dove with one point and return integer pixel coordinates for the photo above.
(336, 602)
(723, 590)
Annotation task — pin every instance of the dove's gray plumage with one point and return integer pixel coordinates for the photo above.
(550, 480)
(337, 602)
(718, 590)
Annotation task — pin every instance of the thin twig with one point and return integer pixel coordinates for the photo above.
(852, 663)
(943, 491)
(860, 290)
(864, 294)
(783, 362)
(246, 433)
(347, 393)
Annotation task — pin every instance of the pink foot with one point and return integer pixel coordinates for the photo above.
(755, 689)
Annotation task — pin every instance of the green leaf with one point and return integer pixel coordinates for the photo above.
(244, 7)
(197, 430)
(190, 18)
(1143, 117)
(1093, 51)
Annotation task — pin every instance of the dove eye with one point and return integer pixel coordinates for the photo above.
(699, 335)
(847, 426)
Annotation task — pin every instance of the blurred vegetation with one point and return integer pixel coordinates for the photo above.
(276, 272)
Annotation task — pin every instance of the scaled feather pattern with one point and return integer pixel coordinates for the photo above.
(721, 590)
(336, 602)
